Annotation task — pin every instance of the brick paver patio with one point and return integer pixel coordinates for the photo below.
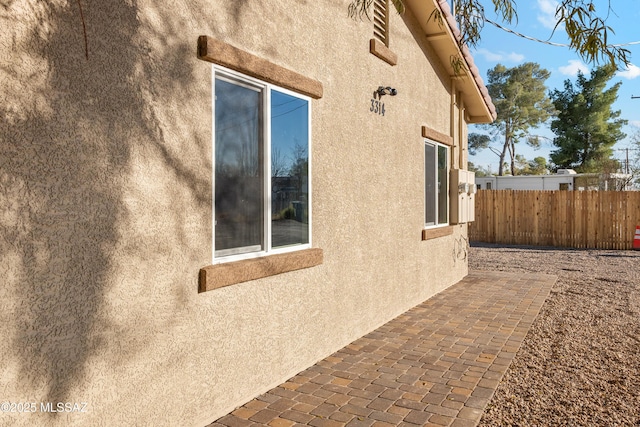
(437, 364)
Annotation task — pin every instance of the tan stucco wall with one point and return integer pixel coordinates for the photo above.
(105, 206)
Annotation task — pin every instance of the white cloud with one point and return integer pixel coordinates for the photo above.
(634, 123)
(573, 68)
(489, 56)
(631, 72)
(547, 13)
(500, 56)
(514, 57)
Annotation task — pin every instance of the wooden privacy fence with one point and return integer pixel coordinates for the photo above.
(573, 219)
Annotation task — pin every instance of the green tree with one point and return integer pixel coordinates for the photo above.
(479, 170)
(586, 128)
(521, 103)
(537, 166)
(586, 28)
(633, 167)
(477, 142)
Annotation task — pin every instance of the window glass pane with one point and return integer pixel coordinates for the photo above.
(443, 186)
(238, 171)
(289, 170)
(430, 183)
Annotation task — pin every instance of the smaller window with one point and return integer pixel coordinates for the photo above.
(488, 186)
(436, 165)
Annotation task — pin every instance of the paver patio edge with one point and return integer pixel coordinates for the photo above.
(437, 364)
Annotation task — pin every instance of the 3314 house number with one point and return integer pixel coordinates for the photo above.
(377, 107)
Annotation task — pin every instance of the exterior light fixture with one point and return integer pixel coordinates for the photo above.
(386, 91)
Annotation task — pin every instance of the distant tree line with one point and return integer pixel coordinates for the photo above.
(585, 126)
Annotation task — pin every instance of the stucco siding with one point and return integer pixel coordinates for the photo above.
(106, 205)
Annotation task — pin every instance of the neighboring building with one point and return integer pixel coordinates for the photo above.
(152, 269)
(564, 179)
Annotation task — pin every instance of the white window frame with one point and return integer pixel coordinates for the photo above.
(234, 76)
(436, 200)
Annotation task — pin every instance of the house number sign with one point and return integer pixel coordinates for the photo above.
(377, 107)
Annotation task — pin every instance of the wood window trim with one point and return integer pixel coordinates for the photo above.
(437, 232)
(229, 273)
(433, 134)
(218, 52)
(380, 50)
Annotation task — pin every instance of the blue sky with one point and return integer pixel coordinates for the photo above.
(536, 19)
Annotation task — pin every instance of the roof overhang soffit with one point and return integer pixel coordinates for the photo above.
(443, 35)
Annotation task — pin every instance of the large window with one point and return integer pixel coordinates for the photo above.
(436, 166)
(261, 168)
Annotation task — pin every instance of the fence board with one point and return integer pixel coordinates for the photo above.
(573, 219)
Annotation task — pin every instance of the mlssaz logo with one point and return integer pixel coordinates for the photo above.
(63, 407)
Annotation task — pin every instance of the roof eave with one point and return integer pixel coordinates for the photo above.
(444, 39)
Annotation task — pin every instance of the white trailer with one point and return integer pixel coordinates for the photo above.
(526, 182)
(564, 179)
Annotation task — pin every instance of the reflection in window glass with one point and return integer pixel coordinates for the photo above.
(436, 170)
(256, 128)
(430, 183)
(238, 171)
(443, 186)
(289, 170)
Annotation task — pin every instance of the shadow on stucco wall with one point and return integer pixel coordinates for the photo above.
(68, 127)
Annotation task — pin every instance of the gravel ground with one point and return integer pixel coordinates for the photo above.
(579, 364)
